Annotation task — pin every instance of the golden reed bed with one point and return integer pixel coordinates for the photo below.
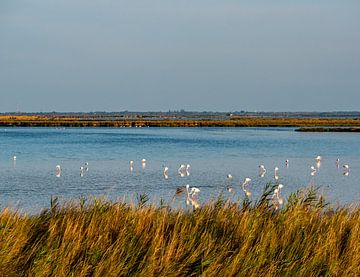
(98, 238)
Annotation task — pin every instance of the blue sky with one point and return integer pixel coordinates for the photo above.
(113, 55)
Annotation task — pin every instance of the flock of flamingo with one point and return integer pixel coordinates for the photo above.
(276, 197)
(191, 193)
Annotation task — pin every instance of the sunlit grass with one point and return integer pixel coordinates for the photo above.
(306, 237)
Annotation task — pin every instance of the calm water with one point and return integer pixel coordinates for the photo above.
(28, 183)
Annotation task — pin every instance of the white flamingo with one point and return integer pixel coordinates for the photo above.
(245, 186)
(166, 169)
(262, 171)
(276, 173)
(318, 160)
(276, 199)
(191, 196)
(182, 170)
(58, 171)
(280, 199)
(187, 172)
(312, 170)
(143, 163)
(229, 177)
(337, 162)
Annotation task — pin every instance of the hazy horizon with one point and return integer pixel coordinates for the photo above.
(175, 111)
(86, 56)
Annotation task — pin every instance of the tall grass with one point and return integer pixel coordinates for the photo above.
(98, 238)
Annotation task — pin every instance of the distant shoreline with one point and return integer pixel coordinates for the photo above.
(329, 129)
(311, 124)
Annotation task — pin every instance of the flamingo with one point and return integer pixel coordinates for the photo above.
(313, 170)
(276, 199)
(280, 199)
(262, 171)
(229, 178)
(166, 169)
(337, 162)
(187, 170)
(191, 196)
(318, 160)
(276, 173)
(58, 171)
(181, 170)
(245, 186)
(194, 191)
(179, 191)
(143, 163)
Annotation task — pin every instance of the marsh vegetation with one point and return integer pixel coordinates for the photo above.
(76, 121)
(306, 237)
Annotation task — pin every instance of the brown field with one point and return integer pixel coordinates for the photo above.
(50, 121)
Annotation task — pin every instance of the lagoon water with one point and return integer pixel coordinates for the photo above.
(28, 183)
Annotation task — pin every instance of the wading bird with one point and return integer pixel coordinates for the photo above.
(179, 191)
(245, 186)
(229, 178)
(276, 173)
(262, 171)
(318, 160)
(346, 169)
(191, 196)
(280, 199)
(143, 163)
(166, 169)
(187, 172)
(182, 170)
(337, 162)
(57, 171)
(312, 170)
(276, 198)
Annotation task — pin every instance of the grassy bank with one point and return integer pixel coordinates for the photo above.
(49, 121)
(304, 238)
(329, 129)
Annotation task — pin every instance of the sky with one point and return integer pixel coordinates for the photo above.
(197, 55)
